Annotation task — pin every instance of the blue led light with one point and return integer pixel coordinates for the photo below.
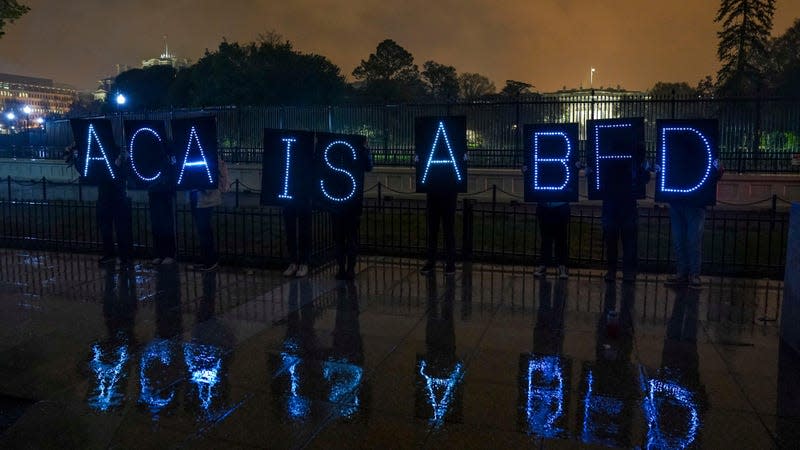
(89, 156)
(446, 386)
(451, 160)
(204, 363)
(133, 160)
(285, 193)
(563, 161)
(158, 350)
(597, 154)
(108, 375)
(345, 380)
(709, 159)
(659, 392)
(297, 406)
(340, 170)
(202, 162)
(545, 402)
(607, 406)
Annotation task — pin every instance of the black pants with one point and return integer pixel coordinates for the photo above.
(297, 221)
(114, 214)
(205, 234)
(162, 222)
(620, 220)
(345, 232)
(442, 208)
(553, 223)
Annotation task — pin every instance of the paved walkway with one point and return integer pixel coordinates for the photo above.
(490, 358)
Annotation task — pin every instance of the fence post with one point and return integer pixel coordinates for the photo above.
(774, 212)
(672, 114)
(236, 183)
(467, 229)
(44, 188)
(380, 195)
(494, 196)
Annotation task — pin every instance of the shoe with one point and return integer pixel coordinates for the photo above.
(167, 261)
(291, 270)
(106, 260)
(695, 282)
(676, 280)
(156, 261)
(428, 268)
(628, 277)
(450, 269)
(610, 276)
(562, 272)
(302, 271)
(540, 272)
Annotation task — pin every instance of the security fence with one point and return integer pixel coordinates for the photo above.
(740, 243)
(756, 134)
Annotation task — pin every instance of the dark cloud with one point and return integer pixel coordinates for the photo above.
(549, 43)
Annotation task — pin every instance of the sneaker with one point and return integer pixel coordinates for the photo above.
(695, 282)
(628, 277)
(428, 268)
(302, 271)
(291, 270)
(450, 269)
(676, 280)
(156, 261)
(610, 276)
(106, 260)
(540, 272)
(167, 261)
(562, 272)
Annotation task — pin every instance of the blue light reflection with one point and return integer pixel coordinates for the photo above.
(109, 374)
(446, 389)
(545, 396)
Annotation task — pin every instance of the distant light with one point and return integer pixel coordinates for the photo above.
(10, 116)
(40, 120)
(121, 99)
(27, 109)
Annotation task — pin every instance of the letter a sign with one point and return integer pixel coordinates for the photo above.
(440, 145)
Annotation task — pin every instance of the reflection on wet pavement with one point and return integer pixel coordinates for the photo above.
(489, 358)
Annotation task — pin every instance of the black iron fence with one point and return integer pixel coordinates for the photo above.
(756, 135)
(747, 243)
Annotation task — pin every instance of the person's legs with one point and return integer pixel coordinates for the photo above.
(433, 218)
(124, 227)
(339, 237)
(290, 227)
(162, 220)
(352, 237)
(560, 233)
(304, 235)
(448, 226)
(630, 241)
(611, 229)
(205, 235)
(105, 219)
(546, 230)
(695, 219)
(678, 225)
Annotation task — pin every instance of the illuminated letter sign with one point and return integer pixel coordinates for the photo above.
(615, 153)
(440, 145)
(97, 151)
(196, 144)
(340, 168)
(287, 166)
(550, 156)
(544, 385)
(148, 152)
(686, 153)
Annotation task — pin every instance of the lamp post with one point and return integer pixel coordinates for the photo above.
(27, 110)
(591, 78)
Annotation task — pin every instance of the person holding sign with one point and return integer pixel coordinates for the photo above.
(203, 202)
(346, 221)
(688, 172)
(553, 225)
(440, 157)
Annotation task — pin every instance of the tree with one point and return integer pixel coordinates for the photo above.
(389, 74)
(705, 87)
(10, 10)
(667, 90)
(441, 81)
(143, 88)
(516, 89)
(743, 42)
(784, 72)
(473, 86)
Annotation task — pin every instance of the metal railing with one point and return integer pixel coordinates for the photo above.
(735, 242)
(756, 135)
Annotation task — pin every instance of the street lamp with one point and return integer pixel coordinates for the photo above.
(27, 109)
(121, 99)
(591, 78)
(10, 115)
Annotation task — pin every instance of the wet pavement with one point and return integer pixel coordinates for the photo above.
(490, 358)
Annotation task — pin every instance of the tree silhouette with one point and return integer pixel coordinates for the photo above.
(441, 81)
(10, 10)
(784, 69)
(743, 43)
(389, 74)
(473, 86)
